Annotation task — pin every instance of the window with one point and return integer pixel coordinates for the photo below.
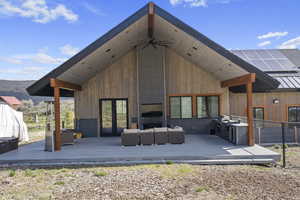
(294, 113)
(181, 107)
(259, 113)
(207, 106)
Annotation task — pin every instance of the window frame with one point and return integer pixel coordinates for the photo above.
(180, 106)
(287, 111)
(206, 98)
(260, 107)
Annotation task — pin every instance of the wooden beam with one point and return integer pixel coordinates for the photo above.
(57, 143)
(241, 80)
(250, 114)
(63, 84)
(151, 20)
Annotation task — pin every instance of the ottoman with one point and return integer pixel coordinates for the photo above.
(147, 137)
(176, 135)
(130, 137)
(161, 135)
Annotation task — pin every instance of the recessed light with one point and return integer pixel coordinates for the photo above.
(112, 56)
(107, 50)
(195, 48)
(189, 54)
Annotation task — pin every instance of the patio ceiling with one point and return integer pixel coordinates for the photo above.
(133, 32)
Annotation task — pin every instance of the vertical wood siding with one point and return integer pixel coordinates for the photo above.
(275, 112)
(116, 81)
(184, 77)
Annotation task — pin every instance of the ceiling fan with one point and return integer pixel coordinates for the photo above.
(154, 43)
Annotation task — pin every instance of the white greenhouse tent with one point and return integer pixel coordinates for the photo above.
(11, 123)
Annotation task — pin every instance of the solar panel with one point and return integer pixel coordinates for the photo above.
(267, 60)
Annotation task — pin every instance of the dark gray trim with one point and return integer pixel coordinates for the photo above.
(42, 87)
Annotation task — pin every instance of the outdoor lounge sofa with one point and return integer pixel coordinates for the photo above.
(130, 137)
(67, 136)
(161, 135)
(147, 136)
(133, 137)
(176, 135)
(8, 144)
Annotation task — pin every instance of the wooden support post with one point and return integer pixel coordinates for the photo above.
(250, 114)
(57, 118)
(151, 20)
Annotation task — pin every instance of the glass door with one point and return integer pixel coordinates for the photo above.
(113, 116)
(121, 115)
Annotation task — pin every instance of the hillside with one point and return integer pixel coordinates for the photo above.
(18, 89)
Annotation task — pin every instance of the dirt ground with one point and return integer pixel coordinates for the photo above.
(173, 181)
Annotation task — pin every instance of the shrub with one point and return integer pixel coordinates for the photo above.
(169, 162)
(12, 173)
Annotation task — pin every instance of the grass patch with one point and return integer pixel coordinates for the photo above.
(29, 173)
(185, 169)
(59, 183)
(175, 171)
(12, 173)
(202, 189)
(99, 174)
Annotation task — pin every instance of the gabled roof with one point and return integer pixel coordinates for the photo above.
(132, 32)
(10, 100)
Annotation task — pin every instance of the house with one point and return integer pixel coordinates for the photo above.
(152, 70)
(11, 101)
(282, 103)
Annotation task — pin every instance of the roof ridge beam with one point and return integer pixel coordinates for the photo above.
(150, 19)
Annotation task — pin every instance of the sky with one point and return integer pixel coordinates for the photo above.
(37, 36)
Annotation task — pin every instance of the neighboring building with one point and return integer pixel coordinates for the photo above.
(151, 70)
(282, 103)
(11, 101)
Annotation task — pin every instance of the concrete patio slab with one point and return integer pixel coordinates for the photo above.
(201, 149)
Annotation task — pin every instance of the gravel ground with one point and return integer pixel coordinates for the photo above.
(172, 181)
(292, 155)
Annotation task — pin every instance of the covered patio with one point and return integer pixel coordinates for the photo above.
(198, 149)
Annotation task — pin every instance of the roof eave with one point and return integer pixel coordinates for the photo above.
(271, 82)
(36, 89)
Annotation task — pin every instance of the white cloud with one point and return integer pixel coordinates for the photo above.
(37, 10)
(192, 3)
(69, 50)
(290, 44)
(273, 34)
(93, 9)
(24, 71)
(39, 57)
(265, 43)
(199, 3)
(11, 60)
